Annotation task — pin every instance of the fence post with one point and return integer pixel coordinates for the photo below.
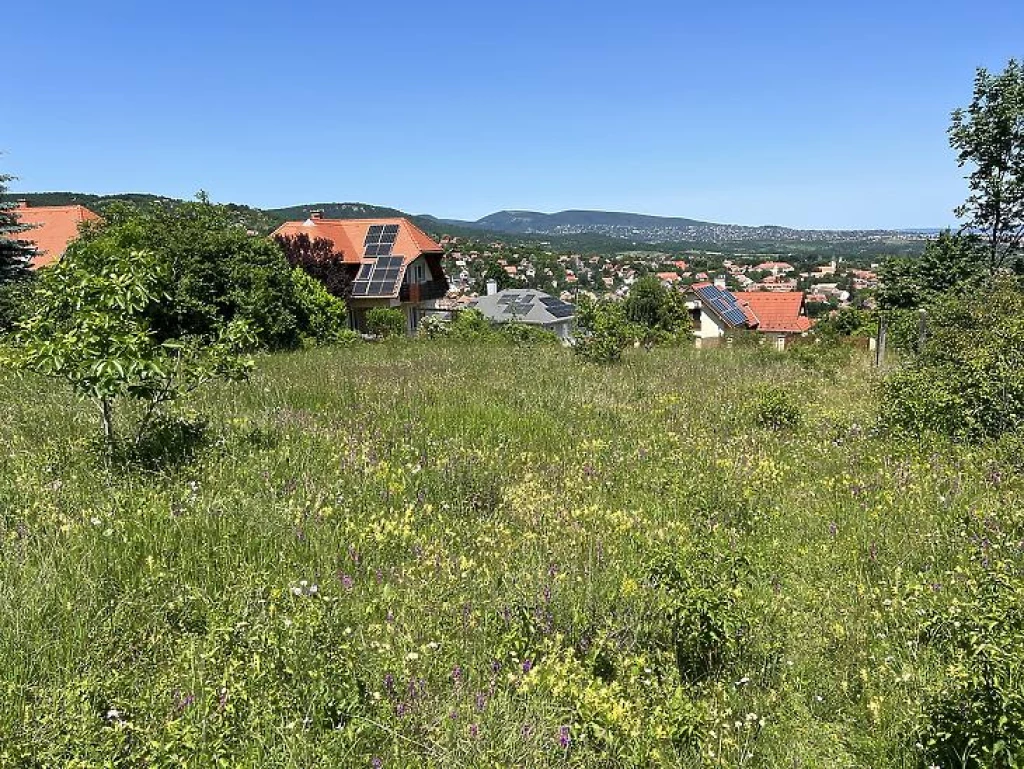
(922, 329)
(883, 329)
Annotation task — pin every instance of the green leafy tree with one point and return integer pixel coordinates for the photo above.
(653, 306)
(948, 262)
(93, 328)
(989, 139)
(219, 272)
(645, 300)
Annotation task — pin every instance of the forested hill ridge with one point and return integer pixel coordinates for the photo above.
(663, 229)
(597, 231)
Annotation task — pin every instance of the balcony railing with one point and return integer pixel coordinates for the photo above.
(422, 292)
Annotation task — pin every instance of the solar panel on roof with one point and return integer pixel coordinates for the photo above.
(380, 239)
(724, 304)
(379, 278)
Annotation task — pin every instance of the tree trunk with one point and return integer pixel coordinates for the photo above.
(107, 408)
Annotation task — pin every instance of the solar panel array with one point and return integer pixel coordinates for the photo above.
(557, 307)
(379, 278)
(516, 304)
(380, 239)
(724, 304)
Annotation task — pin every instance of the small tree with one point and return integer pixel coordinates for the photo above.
(318, 258)
(91, 328)
(949, 262)
(989, 138)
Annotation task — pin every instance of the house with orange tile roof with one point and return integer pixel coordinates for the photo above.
(51, 229)
(716, 313)
(392, 262)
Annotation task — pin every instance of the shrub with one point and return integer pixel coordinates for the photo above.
(322, 315)
(524, 335)
(777, 409)
(15, 302)
(702, 588)
(385, 322)
(604, 331)
(432, 327)
(968, 381)
(975, 714)
(471, 325)
(218, 271)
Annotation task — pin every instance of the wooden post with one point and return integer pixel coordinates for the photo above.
(883, 328)
(922, 329)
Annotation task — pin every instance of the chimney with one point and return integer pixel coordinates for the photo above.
(492, 287)
(720, 282)
(316, 215)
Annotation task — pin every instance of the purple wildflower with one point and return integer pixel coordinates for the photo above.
(474, 730)
(527, 666)
(563, 736)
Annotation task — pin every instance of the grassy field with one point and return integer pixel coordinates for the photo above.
(439, 555)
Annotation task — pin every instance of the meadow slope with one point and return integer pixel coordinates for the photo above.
(427, 554)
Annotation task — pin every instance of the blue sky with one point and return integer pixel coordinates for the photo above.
(803, 114)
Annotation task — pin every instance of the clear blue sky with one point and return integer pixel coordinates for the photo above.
(808, 114)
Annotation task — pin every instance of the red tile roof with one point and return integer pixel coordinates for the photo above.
(348, 236)
(774, 310)
(53, 228)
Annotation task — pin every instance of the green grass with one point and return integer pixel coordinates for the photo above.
(484, 527)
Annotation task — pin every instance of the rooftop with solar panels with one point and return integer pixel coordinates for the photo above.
(526, 306)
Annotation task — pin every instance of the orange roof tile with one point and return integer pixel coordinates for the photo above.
(774, 310)
(53, 228)
(348, 236)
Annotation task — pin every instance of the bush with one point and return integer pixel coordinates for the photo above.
(218, 271)
(975, 714)
(604, 331)
(524, 335)
(15, 303)
(321, 315)
(702, 591)
(385, 322)
(777, 409)
(968, 381)
(432, 327)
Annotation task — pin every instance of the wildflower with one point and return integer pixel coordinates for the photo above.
(347, 582)
(527, 666)
(481, 701)
(113, 714)
(833, 529)
(742, 681)
(457, 675)
(412, 656)
(563, 736)
(376, 763)
(474, 730)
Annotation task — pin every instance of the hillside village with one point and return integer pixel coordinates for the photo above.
(442, 277)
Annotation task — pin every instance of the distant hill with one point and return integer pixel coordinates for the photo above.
(532, 221)
(592, 231)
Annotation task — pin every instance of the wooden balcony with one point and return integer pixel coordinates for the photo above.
(422, 292)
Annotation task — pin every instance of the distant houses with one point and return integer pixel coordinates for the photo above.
(392, 263)
(51, 229)
(534, 308)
